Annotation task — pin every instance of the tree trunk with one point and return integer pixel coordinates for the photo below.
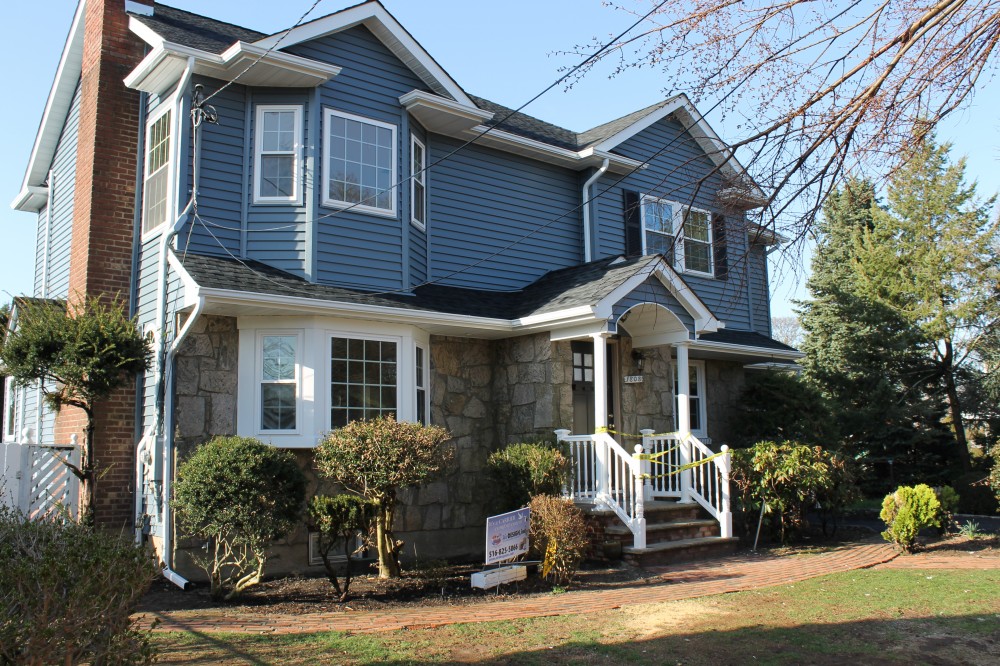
(388, 549)
(955, 408)
(87, 468)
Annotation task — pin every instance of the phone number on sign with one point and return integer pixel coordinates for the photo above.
(505, 550)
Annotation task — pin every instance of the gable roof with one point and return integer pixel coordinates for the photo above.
(196, 31)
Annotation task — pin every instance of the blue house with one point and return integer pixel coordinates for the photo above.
(321, 225)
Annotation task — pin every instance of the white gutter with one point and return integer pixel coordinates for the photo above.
(587, 252)
(163, 417)
(709, 345)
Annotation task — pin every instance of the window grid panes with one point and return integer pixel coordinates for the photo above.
(418, 190)
(363, 380)
(421, 387)
(278, 149)
(658, 219)
(583, 367)
(697, 242)
(278, 382)
(360, 162)
(157, 173)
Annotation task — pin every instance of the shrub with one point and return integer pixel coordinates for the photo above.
(789, 478)
(67, 594)
(908, 510)
(779, 405)
(949, 501)
(238, 494)
(559, 536)
(375, 459)
(527, 469)
(339, 520)
(993, 480)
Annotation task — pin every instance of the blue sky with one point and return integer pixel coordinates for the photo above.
(501, 51)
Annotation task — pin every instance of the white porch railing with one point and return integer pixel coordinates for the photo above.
(673, 467)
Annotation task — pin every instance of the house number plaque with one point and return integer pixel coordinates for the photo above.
(633, 379)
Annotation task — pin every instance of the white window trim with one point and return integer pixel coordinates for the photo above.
(678, 233)
(415, 178)
(328, 202)
(259, 381)
(296, 198)
(167, 106)
(699, 369)
(9, 411)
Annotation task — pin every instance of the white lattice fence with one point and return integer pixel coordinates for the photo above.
(48, 484)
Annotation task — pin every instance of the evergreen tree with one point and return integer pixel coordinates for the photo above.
(931, 260)
(864, 356)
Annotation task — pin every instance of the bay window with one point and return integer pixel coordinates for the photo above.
(156, 172)
(277, 154)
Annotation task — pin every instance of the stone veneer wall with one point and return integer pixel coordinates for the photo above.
(533, 387)
(651, 403)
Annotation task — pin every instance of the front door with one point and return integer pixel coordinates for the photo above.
(583, 385)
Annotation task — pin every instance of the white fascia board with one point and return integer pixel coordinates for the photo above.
(57, 106)
(606, 305)
(191, 294)
(579, 331)
(421, 98)
(278, 59)
(31, 199)
(388, 30)
(743, 349)
(652, 118)
(144, 32)
(558, 317)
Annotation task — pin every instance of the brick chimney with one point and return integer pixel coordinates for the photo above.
(103, 221)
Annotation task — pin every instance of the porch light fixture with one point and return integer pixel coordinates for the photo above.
(639, 357)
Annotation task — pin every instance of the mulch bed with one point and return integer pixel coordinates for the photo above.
(443, 584)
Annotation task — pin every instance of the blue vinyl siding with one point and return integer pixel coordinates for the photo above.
(41, 235)
(760, 297)
(356, 248)
(653, 291)
(61, 209)
(483, 200)
(220, 190)
(676, 164)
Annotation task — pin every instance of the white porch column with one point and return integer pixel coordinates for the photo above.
(600, 380)
(602, 487)
(684, 418)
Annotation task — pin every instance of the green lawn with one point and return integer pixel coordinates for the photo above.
(864, 617)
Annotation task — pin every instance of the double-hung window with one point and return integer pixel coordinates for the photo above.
(279, 378)
(681, 233)
(359, 155)
(156, 183)
(11, 394)
(421, 385)
(418, 183)
(277, 154)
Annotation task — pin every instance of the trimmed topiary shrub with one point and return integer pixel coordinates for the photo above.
(67, 594)
(908, 510)
(558, 536)
(377, 458)
(339, 520)
(527, 469)
(238, 494)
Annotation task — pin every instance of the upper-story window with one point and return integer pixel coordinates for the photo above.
(683, 234)
(277, 154)
(157, 172)
(418, 183)
(360, 158)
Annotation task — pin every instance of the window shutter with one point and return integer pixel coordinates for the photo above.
(633, 224)
(719, 250)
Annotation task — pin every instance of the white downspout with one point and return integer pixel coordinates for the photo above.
(587, 251)
(163, 418)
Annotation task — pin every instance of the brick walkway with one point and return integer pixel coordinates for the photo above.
(682, 581)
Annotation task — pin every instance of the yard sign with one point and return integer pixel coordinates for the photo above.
(507, 535)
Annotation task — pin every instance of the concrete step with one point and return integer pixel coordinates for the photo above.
(656, 531)
(683, 550)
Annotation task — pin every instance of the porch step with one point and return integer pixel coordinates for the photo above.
(671, 530)
(668, 552)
